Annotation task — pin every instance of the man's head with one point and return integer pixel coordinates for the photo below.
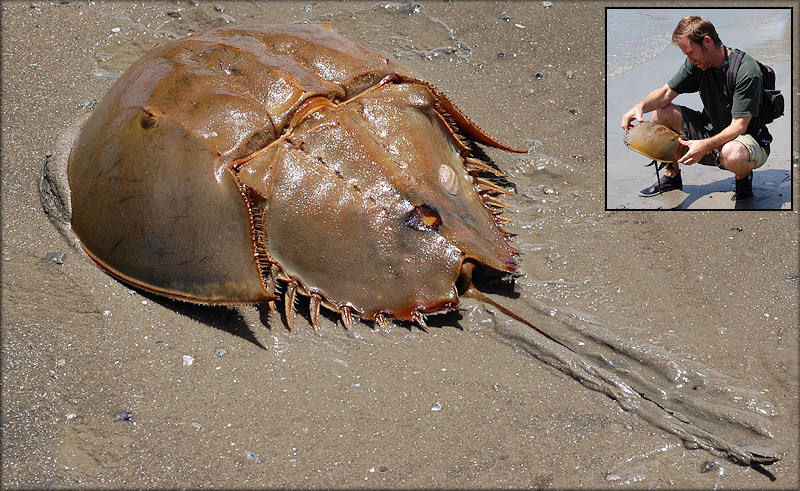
(698, 40)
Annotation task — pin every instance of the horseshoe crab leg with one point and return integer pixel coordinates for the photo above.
(291, 290)
(561, 356)
(658, 166)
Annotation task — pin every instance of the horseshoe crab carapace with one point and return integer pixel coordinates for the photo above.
(655, 141)
(221, 164)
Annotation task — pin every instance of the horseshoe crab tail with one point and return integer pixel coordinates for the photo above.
(622, 387)
(467, 268)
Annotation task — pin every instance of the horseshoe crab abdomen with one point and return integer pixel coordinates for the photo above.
(372, 168)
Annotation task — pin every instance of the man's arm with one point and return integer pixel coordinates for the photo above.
(657, 99)
(698, 148)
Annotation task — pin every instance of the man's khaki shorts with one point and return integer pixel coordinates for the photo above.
(757, 152)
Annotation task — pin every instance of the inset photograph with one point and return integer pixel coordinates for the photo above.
(698, 109)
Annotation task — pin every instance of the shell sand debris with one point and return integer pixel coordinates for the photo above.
(226, 167)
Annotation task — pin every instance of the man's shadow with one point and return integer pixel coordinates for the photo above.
(766, 187)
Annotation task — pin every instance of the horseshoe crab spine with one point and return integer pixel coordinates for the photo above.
(475, 166)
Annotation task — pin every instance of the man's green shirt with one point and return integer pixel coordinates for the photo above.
(713, 87)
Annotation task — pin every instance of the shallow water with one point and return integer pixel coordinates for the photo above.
(763, 32)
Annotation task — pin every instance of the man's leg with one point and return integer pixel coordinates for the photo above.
(670, 116)
(741, 156)
(735, 157)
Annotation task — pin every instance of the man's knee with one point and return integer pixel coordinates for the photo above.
(734, 153)
(735, 157)
(669, 116)
(745, 149)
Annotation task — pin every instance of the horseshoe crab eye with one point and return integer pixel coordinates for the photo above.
(423, 217)
(447, 178)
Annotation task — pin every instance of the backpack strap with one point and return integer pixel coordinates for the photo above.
(733, 69)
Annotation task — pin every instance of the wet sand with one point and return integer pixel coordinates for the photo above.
(465, 405)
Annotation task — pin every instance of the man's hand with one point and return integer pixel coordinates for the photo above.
(634, 113)
(656, 99)
(697, 149)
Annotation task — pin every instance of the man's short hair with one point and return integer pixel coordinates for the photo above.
(695, 28)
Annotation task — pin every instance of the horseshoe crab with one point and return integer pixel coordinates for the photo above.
(655, 141)
(224, 167)
(221, 165)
